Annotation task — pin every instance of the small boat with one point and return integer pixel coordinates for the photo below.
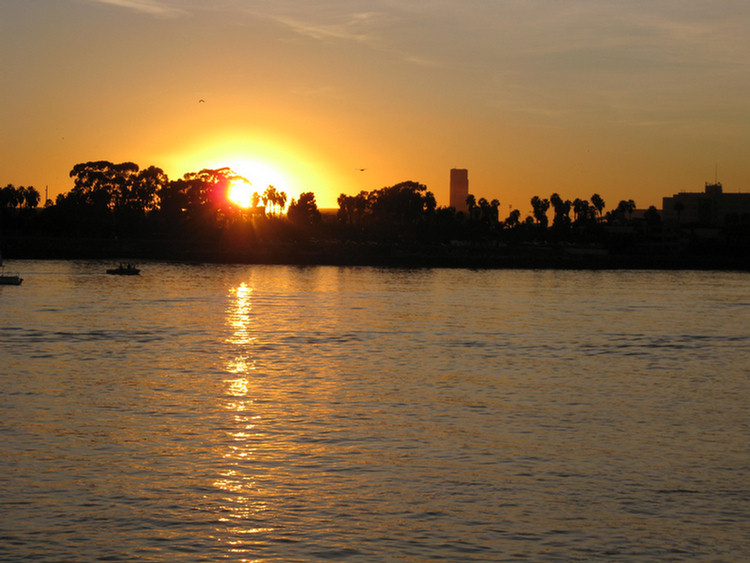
(10, 280)
(124, 270)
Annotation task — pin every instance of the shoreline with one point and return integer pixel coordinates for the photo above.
(337, 253)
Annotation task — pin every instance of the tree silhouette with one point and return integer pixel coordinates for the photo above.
(495, 205)
(471, 203)
(540, 207)
(598, 203)
(561, 221)
(145, 186)
(275, 199)
(352, 208)
(484, 209)
(581, 211)
(208, 189)
(629, 208)
(625, 207)
(197, 204)
(8, 196)
(513, 219)
(31, 197)
(103, 184)
(392, 212)
(652, 218)
(402, 204)
(11, 196)
(281, 198)
(174, 202)
(304, 212)
(430, 204)
(270, 196)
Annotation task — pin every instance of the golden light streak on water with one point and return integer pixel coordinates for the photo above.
(242, 507)
(239, 315)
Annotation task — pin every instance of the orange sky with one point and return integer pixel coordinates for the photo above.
(633, 100)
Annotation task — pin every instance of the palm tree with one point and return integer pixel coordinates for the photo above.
(562, 211)
(471, 202)
(598, 203)
(495, 204)
(580, 210)
(31, 197)
(21, 192)
(8, 196)
(625, 207)
(630, 207)
(513, 219)
(270, 197)
(484, 207)
(540, 207)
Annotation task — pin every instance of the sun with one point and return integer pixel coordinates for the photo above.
(241, 193)
(255, 177)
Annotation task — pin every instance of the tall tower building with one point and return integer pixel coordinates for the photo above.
(459, 189)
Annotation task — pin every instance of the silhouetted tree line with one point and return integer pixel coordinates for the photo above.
(404, 211)
(18, 208)
(407, 211)
(123, 202)
(19, 197)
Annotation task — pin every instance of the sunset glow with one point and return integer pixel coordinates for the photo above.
(258, 174)
(241, 193)
(256, 178)
(532, 98)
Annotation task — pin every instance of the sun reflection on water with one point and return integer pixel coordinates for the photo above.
(238, 387)
(241, 506)
(239, 315)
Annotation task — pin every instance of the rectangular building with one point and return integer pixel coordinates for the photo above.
(459, 189)
(712, 208)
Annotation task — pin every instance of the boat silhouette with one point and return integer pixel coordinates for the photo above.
(8, 279)
(124, 270)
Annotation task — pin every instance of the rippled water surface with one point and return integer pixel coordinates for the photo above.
(282, 414)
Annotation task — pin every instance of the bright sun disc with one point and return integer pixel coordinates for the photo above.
(256, 178)
(241, 193)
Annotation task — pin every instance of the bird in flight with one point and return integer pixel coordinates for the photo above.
(201, 101)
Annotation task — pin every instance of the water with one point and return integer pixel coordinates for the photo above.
(282, 414)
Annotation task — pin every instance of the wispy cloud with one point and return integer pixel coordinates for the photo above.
(320, 22)
(373, 25)
(152, 7)
(350, 27)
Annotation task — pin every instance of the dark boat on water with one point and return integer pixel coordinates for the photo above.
(6, 279)
(124, 270)
(10, 280)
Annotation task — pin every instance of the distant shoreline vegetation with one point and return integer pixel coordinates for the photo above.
(118, 211)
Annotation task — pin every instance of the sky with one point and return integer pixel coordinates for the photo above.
(629, 99)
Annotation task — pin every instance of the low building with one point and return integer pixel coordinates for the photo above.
(711, 208)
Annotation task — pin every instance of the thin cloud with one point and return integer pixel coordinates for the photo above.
(320, 21)
(152, 7)
(333, 21)
(352, 28)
